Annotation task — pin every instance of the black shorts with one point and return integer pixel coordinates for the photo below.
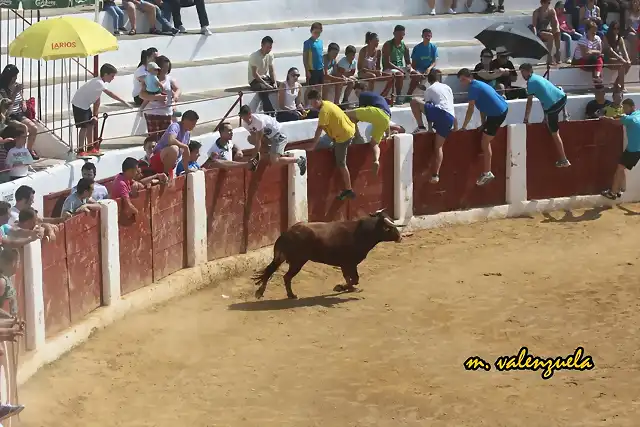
(18, 117)
(82, 117)
(553, 114)
(316, 77)
(493, 123)
(629, 159)
(137, 100)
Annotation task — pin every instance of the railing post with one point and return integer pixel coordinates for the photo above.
(110, 246)
(516, 163)
(34, 295)
(196, 219)
(297, 189)
(403, 176)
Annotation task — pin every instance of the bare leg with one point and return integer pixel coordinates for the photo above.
(33, 132)
(376, 156)
(486, 152)
(131, 14)
(557, 140)
(618, 179)
(294, 268)
(399, 78)
(417, 108)
(438, 154)
(347, 92)
(415, 81)
(389, 86)
(556, 39)
(346, 177)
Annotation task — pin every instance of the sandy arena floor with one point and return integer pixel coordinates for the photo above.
(391, 355)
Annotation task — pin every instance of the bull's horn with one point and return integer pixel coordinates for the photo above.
(379, 211)
(389, 222)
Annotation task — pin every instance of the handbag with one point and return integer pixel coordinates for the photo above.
(30, 112)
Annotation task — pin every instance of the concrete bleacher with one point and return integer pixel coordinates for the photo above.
(211, 70)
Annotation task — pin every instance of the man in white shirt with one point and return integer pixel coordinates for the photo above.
(224, 154)
(89, 95)
(261, 125)
(262, 76)
(438, 108)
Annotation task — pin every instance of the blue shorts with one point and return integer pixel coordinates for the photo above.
(442, 121)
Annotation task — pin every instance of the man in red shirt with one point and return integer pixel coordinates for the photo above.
(125, 184)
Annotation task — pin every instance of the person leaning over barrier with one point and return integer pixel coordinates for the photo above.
(631, 155)
(438, 108)
(493, 106)
(225, 155)
(373, 109)
(266, 128)
(339, 134)
(173, 145)
(553, 100)
(125, 185)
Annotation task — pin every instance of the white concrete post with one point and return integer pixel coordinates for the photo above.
(297, 189)
(403, 177)
(516, 163)
(196, 219)
(110, 244)
(33, 295)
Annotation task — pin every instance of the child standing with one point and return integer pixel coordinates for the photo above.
(86, 96)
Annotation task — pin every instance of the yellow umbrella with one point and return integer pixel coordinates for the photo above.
(64, 37)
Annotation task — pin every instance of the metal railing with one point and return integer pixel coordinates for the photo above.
(48, 82)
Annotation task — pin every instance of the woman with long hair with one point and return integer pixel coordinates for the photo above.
(290, 98)
(615, 54)
(370, 64)
(160, 111)
(10, 88)
(146, 56)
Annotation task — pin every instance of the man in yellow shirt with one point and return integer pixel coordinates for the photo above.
(614, 110)
(340, 133)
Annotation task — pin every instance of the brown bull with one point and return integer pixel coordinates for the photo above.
(343, 244)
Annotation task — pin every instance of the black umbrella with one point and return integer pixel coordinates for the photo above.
(518, 40)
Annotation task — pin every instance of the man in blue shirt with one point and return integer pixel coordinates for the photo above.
(312, 52)
(493, 106)
(423, 59)
(194, 154)
(630, 156)
(553, 100)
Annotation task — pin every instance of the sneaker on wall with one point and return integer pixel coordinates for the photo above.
(181, 29)
(205, 31)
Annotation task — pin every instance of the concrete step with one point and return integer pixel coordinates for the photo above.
(213, 105)
(248, 12)
(228, 72)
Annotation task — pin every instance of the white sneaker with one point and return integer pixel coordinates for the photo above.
(205, 31)
(181, 29)
(433, 12)
(484, 178)
(419, 130)
(452, 12)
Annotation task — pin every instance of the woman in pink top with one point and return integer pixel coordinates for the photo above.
(588, 53)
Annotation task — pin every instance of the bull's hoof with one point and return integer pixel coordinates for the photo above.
(292, 296)
(259, 294)
(339, 288)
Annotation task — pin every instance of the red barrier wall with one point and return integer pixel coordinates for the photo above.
(324, 183)
(592, 147)
(460, 169)
(225, 212)
(55, 284)
(245, 210)
(266, 205)
(168, 230)
(71, 272)
(84, 264)
(136, 253)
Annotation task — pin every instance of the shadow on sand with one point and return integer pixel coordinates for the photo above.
(326, 301)
(588, 215)
(627, 211)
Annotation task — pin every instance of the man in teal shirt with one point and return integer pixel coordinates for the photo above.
(630, 157)
(553, 101)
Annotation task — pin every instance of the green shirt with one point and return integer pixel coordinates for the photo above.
(397, 53)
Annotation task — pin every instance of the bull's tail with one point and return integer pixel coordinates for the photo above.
(262, 277)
